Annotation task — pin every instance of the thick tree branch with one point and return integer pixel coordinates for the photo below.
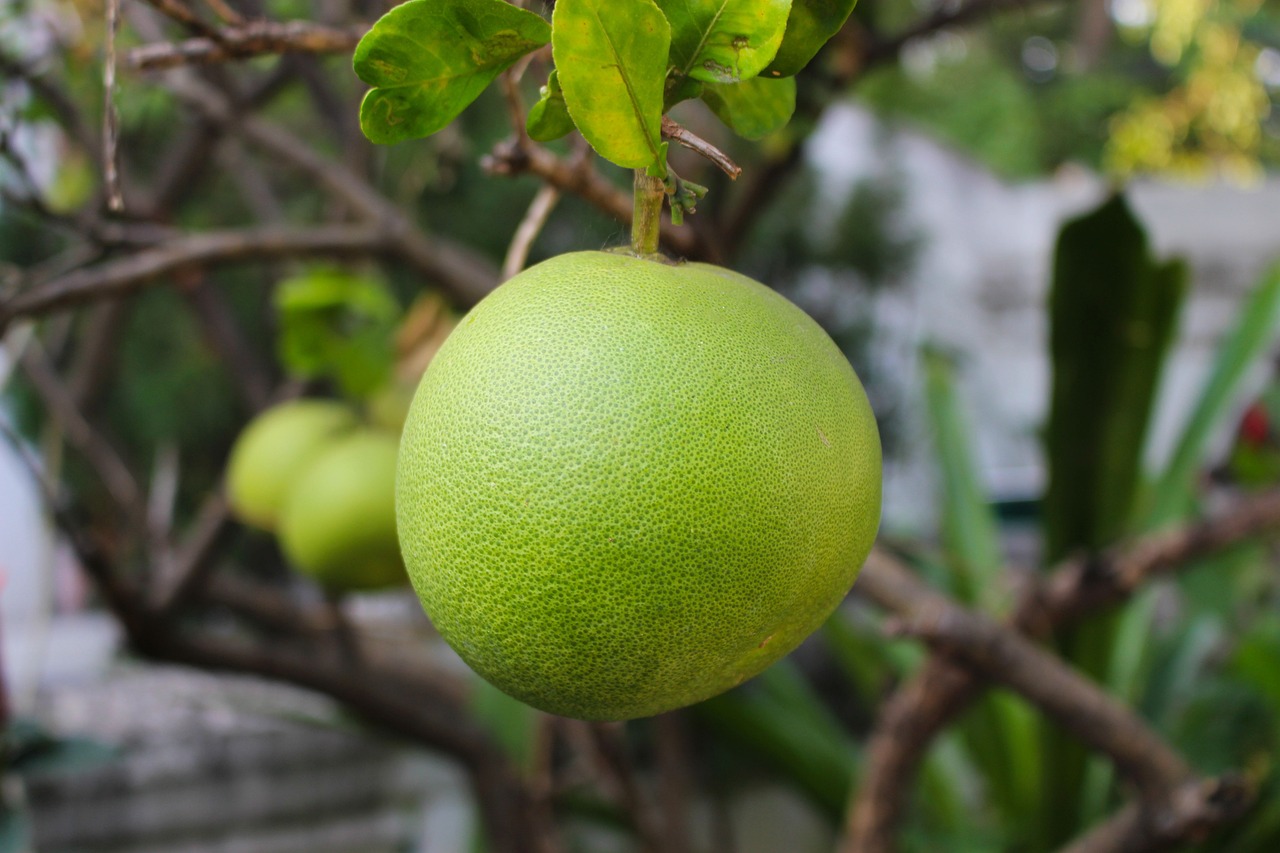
(1190, 814)
(1006, 657)
(940, 692)
(128, 273)
(253, 38)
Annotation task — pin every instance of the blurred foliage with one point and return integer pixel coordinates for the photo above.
(1186, 87)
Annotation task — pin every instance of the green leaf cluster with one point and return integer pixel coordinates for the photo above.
(338, 325)
(619, 66)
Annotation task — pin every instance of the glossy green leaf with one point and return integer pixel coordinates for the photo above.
(612, 59)
(338, 325)
(811, 24)
(753, 108)
(1254, 331)
(428, 59)
(724, 41)
(549, 117)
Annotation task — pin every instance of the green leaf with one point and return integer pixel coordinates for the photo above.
(338, 325)
(612, 59)
(811, 24)
(818, 757)
(549, 118)
(969, 532)
(428, 59)
(753, 108)
(724, 41)
(1254, 331)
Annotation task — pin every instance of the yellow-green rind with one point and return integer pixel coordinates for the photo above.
(273, 451)
(339, 525)
(626, 486)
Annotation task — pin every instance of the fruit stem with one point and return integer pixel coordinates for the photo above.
(646, 220)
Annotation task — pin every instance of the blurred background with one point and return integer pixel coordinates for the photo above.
(912, 206)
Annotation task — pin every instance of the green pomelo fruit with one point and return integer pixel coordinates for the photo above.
(627, 486)
(272, 452)
(339, 521)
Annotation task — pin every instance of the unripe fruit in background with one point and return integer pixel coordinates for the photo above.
(626, 486)
(273, 451)
(338, 524)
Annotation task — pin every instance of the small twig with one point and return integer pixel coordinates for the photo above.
(110, 117)
(224, 11)
(185, 16)
(189, 565)
(535, 219)
(95, 449)
(698, 145)
(581, 180)
(245, 41)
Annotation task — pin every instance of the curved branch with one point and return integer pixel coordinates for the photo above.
(254, 38)
(131, 272)
(942, 690)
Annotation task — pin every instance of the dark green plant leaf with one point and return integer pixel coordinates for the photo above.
(724, 41)
(811, 24)
(549, 117)
(753, 108)
(612, 59)
(428, 59)
(1113, 310)
(338, 325)
(30, 749)
(765, 719)
(15, 831)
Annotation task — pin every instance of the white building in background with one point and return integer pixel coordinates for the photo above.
(981, 281)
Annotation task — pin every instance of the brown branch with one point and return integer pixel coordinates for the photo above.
(1004, 656)
(96, 450)
(687, 138)
(530, 227)
(459, 271)
(509, 158)
(110, 117)
(941, 690)
(254, 38)
(1190, 814)
(129, 273)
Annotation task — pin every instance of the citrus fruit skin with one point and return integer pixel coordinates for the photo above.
(339, 524)
(273, 451)
(627, 486)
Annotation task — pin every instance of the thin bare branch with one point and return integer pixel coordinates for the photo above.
(111, 118)
(128, 273)
(254, 38)
(459, 271)
(698, 145)
(535, 219)
(582, 180)
(96, 450)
